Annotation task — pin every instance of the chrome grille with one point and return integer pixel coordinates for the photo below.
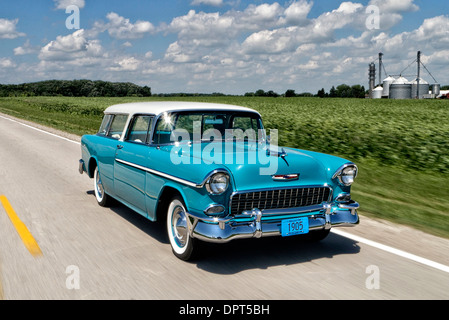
(279, 199)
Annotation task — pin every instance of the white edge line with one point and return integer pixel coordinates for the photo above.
(40, 130)
(371, 243)
(392, 250)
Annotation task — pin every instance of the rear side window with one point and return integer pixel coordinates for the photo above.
(105, 125)
(117, 126)
(139, 129)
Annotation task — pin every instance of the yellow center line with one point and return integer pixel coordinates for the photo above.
(22, 230)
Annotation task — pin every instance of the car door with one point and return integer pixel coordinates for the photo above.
(108, 137)
(131, 157)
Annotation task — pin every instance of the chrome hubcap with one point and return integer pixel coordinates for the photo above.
(179, 226)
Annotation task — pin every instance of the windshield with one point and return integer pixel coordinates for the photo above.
(208, 126)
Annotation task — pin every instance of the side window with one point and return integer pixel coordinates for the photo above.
(164, 128)
(117, 126)
(105, 125)
(186, 125)
(215, 122)
(248, 127)
(139, 129)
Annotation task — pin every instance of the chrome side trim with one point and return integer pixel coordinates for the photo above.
(161, 174)
(173, 178)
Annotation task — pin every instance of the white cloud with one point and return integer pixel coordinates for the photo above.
(63, 4)
(126, 64)
(8, 29)
(27, 48)
(395, 6)
(7, 63)
(297, 12)
(121, 28)
(71, 47)
(214, 3)
(175, 53)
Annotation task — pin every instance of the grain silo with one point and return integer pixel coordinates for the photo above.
(435, 88)
(377, 93)
(386, 86)
(401, 88)
(420, 90)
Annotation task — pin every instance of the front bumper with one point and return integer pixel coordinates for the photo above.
(257, 224)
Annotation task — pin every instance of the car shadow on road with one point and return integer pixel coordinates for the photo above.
(268, 252)
(153, 229)
(244, 254)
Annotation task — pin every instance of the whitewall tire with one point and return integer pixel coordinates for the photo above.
(178, 232)
(100, 194)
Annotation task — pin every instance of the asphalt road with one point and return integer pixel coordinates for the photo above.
(89, 252)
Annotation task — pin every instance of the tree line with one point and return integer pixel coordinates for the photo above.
(89, 88)
(341, 91)
(75, 88)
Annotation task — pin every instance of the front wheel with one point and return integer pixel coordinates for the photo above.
(183, 245)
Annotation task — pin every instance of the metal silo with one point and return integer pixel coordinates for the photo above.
(401, 88)
(372, 78)
(435, 89)
(377, 93)
(423, 87)
(386, 86)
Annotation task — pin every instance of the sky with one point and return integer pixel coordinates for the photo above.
(227, 46)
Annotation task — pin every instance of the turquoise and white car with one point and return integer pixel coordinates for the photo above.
(213, 174)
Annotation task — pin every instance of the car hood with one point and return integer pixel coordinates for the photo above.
(252, 165)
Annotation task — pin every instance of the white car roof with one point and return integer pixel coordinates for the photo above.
(159, 107)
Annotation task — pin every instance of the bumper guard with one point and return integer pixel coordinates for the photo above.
(257, 223)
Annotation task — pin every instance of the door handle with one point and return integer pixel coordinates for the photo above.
(119, 146)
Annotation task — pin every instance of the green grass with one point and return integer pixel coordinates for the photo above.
(401, 147)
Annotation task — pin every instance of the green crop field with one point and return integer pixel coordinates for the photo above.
(400, 146)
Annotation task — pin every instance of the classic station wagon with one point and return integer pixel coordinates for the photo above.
(213, 174)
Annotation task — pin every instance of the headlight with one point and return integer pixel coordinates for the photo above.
(217, 183)
(346, 174)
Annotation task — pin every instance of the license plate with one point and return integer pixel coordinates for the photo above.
(296, 226)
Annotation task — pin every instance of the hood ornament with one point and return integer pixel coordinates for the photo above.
(285, 177)
(282, 154)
